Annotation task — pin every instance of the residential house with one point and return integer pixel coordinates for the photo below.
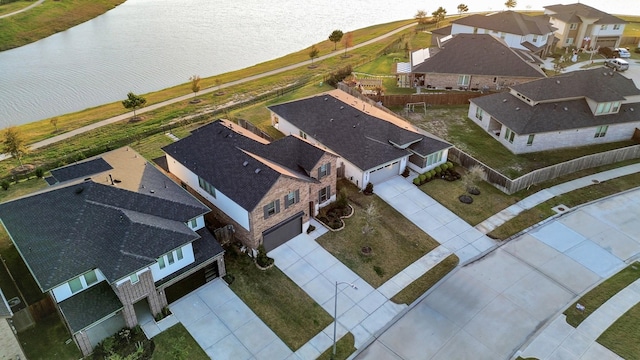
(268, 191)
(109, 239)
(476, 61)
(9, 345)
(518, 31)
(579, 108)
(372, 144)
(582, 26)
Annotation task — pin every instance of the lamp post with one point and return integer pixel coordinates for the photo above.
(335, 314)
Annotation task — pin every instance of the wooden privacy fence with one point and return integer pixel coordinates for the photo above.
(444, 98)
(42, 308)
(548, 173)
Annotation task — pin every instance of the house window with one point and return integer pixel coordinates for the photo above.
(134, 278)
(530, 139)
(90, 277)
(479, 113)
(303, 134)
(271, 208)
(291, 198)
(603, 27)
(509, 135)
(535, 38)
(161, 263)
(75, 285)
(569, 41)
(573, 26)
(463, 80)
(193, 223)
(204, 185)
(324, 170)
(179, 254)
(475, 30)
(616, 27)
(608, 108)
(601, 131)
(434, 158)
(503, 35)
(324, 193)
(170, 258)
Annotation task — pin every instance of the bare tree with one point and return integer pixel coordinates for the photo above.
(313, 53)
(54, 123)
(195, 84)
(421, 16)
(473, 176)
(15, 144)
(371, 215)
(347, 41)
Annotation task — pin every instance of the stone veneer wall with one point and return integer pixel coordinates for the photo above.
(82, 340)
(129, 294)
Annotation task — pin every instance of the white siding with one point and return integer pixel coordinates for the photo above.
(188, 258)
(608, 32)
(128, 278)
(199, 223)
(63, 291)
(221, 201)
(463, 29)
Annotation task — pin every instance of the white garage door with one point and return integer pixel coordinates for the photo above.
(385, 172)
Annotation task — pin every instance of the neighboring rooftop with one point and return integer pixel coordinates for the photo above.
(83, 170)
(360, 132)
(245, 167)
(574, 13)
(5, 309)
(90, 306)
(509, 22)
(479, 54)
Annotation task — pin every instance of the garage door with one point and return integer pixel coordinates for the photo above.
(283, 232)
(385, 172)
(606, 42)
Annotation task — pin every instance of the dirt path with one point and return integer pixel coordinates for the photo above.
(22, 10)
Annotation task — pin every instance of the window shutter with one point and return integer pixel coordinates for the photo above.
(328, 192)
(319, 172)
(297, 196)
(320, 196)
(266, 211)
(277, 206)
(328, 168)
(286, 201)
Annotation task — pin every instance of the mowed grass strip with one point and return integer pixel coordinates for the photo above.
(177, 343)
(622, 336)
(344, 348)
(395, 243)
(49, 18)
(14, 6)
(601, 293)
(277, 300)
(410, 293)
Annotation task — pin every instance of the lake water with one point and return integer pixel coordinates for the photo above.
(148, 45)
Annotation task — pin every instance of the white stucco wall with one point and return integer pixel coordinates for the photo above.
(188, 258)
(221, 201)
(63, 291)
(199, 223)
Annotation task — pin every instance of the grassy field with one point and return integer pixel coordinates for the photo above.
(49, 18)
(14, 6)
(601, 293)
(410, 293)
(277, 300)
(177, 343)
(395, 243)
(47, 340)
(622, 336)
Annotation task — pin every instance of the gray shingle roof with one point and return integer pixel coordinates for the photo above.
(81, 170)
(572, 13)
(72, 229)
(509, 22)
(599, 84)
(90, 306)
(5, 309)
(478, 54)
(361, 138)
(234, 172)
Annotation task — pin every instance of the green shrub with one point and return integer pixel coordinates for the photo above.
(416, 181)
(262, 259)
(378, 270)
(5, 185)
(429, 177)
(422, 178)
(432, 172)
(438, 169)
(39, 173)
(449, 164)
(369, 188)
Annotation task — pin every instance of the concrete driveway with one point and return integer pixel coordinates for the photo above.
(491, 307)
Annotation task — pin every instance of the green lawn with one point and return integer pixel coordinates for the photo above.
(14, 6)
(277, 300)
(601, 293)
(22, 188)
(177, 343)
(47, 340)
(344, 348)
(622, 336)
(395, 243)
(409, 294)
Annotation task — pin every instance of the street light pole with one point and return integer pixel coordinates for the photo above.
(335, 314)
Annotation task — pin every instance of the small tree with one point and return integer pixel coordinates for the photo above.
(510, 4)
(462, 8)
(371, 216)
(195, 84)
(335, 38)
(347, 41)
(54, 123)
(134, 102)
(439, 14)
(472, 178)
(313, 53)
(421, 16)
(15, 144)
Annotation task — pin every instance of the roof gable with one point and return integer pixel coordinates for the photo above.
(574, 13)
(509, 22)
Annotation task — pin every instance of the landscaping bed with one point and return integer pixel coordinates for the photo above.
(393, 244)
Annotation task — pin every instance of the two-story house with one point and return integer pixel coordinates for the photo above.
(110, 237)
(575, 109)
(268, 191)
(372, 144)
(582, 26)
(476, 61)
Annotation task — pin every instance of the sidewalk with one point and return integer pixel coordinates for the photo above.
(560, 340)
(541, 196)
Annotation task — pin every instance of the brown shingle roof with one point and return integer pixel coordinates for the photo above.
(572, 13)
(508, 22)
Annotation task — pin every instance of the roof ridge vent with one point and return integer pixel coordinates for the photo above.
(245, 163)
(341, 107)
(504, 100)
(257, 170)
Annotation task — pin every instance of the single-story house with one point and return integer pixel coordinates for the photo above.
(268, 191)
(579, 108)
(113, 232)
(372, 144)
(476, 61)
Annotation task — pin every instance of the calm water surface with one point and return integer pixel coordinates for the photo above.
(148, 45)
